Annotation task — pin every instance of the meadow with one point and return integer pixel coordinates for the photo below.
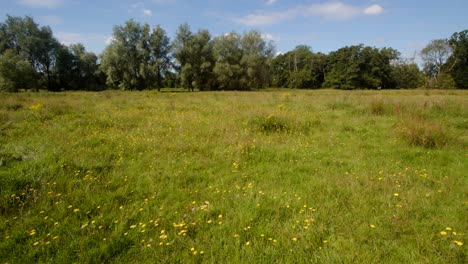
(282, 176)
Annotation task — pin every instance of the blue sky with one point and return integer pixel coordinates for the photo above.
(407, 25)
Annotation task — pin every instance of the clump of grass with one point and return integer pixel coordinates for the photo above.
(271, 123)
(14, 107)
(420, 132)
(377, 106)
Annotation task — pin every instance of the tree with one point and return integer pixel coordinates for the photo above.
(228, 54)
(299, 68)
(457, 64)
(126, 59)
(202, 60)
(33, 44)
(406, 74)
(160, 55)
(194, 56)
(360, 67)
(76, 68)
(257, 55)
(65, 68)
(434, 56)
(15, 72)
(182, 52)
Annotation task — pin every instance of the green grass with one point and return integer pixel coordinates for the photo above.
(223, 177)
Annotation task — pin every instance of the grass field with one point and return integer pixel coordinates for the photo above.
(282, 176)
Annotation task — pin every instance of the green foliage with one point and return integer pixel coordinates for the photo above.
(76, 69)
(457, 65)
(228, 54)
(33, 44)
(434, 56)
(360, 67)
(300, 68)
(256, 60)
(136, 58)
(407, 75)
(15, 73)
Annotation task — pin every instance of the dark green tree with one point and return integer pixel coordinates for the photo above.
(182, 52)
(257, 55)
(15, 72)
(360, 67)
(457, 64)
(32, 43)
(228, 55)
(137, 58)
(160, 57)
(406, 74)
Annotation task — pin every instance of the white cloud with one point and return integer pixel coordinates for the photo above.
(147, 12)
(266, 19)
(337, 11)
(270, 2)
(42, 3)
(270, 37)
(332, 11)
(374, 10)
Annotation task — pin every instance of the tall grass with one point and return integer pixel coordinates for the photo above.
(265, 177)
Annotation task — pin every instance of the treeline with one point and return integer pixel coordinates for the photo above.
(143, 57)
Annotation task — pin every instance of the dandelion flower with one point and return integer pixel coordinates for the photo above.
(443, 233)
(372, 226)
(448, 228)
(247, 243)
(458, 243)
(396, 194)
(294, 239)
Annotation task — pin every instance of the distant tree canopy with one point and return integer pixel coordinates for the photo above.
(143, 57)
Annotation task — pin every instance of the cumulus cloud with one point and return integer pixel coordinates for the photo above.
(336, 11)
(41, 3)
(270, 2)
(374, 10)
(270, 37)
(147, 12)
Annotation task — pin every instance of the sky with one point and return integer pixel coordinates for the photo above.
(324, 25)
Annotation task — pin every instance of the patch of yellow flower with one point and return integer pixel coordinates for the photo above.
(36, 106)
